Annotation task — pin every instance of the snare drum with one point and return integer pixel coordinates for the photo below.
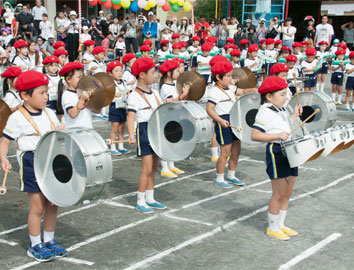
(303, 149)
(333, 139)
(348, 131)
(179, 130)
(72, 166)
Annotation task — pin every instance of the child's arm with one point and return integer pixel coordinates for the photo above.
(211, 112)
(297, 111)
(4, 148)
(74, 111)
(350, 71)
(130, 127)
(260, 136)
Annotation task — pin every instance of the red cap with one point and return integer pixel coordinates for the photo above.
(175, 35)
(50, 59)
(272, 84)
(147, 42)
(244, 41)
(112, 65)
(142, 64)
(196, 38)
(207, 46)
(212, 39)
(270, 41)
(304, 43)
(262, 40)
(234, 46)
(342, 45)
(253, 48)
(278, 67)
(97, 50)
(227, 46)
(30, 79)
(59, 52)
(285, 48)
(216, 59)
(69, 67)
(221, 68)
(297, 45)
(278, 42)
(176, 46)
(145, 48)
(58, 44)
(183, 44)
(291, 58)
(168, 65)
(230, 40)
(164, 42)
(311, 52)
(20, 43)
(351, 55)
(89, 43)
(323, 43)
(235, 52)
(11, 72)
(340, 52)
(128, 57)
(178, 60)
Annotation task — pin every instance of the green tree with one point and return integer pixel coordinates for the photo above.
(207, 7)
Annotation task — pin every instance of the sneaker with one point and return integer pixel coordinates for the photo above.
(99, 116)
(348, 110)
(144, 209)
(177, 171)
(277, 235)
(156, 205)
(222, 184)
(168, 174)
(235, 181)
(214, 159)
(105, 116)
(40, 253)
(289, 231)
(353, 109)
(116, 153)
(124, 151)
(339, 103)
(335, 102)
(56, 249)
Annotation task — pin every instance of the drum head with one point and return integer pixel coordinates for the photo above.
(311, 101)
(5, 112)
(243, 114)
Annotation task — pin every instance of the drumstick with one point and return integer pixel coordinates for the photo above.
(239, 129)
(109, 141)
(296, 90)
(307, 119)
(3, 188)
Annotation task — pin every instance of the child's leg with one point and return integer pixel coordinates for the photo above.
(334, 91)
(323, 78)
(235, 154)
(49, 220)
(121, 127)
(150, 200)
(214, 148)
(220, 164)
(347, 97)
(340, 90)
(113, 135)
(37, 206)
(146, 172)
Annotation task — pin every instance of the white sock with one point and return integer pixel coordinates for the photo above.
(47, 236)
(230, 174)
(171, 165)
(282, 216)
(113, 147)
(141, 198)
(164, 166)
(322, 87)
(347, 106)
(214, 152)
(353, 105)
(35, 240)
(339, 98)
(120, 145)
(273, 222)
(334, 97)
(318, 86)
(220, 177)
(150, 196)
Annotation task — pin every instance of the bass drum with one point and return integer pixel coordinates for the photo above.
(72, 166)
(243, 115)
(179, 130)
(311, 101)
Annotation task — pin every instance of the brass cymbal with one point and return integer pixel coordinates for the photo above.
(108, 85)
(96, 91)
(196, 82)
(244, 78)
(5, 112)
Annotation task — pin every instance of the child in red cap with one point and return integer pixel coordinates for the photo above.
(11, 96)
(97, 65)
(308, 69)
(235, 58)
(21, 59)
(252, 61)
(163, 51)
(349, 86)
(203, 61)
(88, 57)
(63, 57)
(273, 124)
(141, 104)
(128, 61)
(337, 77)
(322, 72)
(26, 126)
(193, 50)
(271, 55)
(290, 62)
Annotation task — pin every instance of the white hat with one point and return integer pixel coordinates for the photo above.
(85, 27)
(50, 36)
(73, 12)
(101, 12)
(151, 13)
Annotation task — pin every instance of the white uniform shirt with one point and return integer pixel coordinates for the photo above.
(249, 62)
(13, 99)
(19, 61)
(101, 67)
(291, 75)
(321, 54)
(121, 87)
(83, 119)
(136, 103)
(191, 49)
(128, 77)
(339, 69)
(168, 91)
(53, 87)
(271, 54)
(307, 65)
(273, 120)
(120, 45)
(223, 101)
(349, 66)
(162, 54)
(202, 59)
(243, 54)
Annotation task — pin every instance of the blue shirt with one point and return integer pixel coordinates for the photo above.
(150, 27)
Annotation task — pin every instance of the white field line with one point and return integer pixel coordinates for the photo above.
(10, 243)
(109, 202)
(260, 190)
(188, 220)
(310, 251)
(76, 261)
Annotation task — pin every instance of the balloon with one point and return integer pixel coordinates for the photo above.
(115, 2)
(117, 6)
(187, 7)
(142, 3)
(151, 3)
(134, 6)
(108, 4)
(166, 6)
(93, 2)
(103, 1)
(100, 2)
(173, 1)
(147, 7)
(180, 2)
(125, 4)
(191, 1)
(160, 3)
(175, 7)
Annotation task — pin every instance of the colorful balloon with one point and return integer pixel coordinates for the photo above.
(125, 4)
(134, 6)
(93, 2)
(116, 7)
(187, 7)
(142, 3)
(166, 6)
(173, 2)
(151, 3)
(115, 2)
(180, 2)
(160, 3)
(108, 4)
(175, 7)
(100, 2)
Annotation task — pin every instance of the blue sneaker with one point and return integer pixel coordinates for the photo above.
(105, 116)
(124, 151)
(56, 249)
(99, 116)
(116, 153)
(353, 109)
(222, 184)
(235, 181)
(156, 205)
(347, 110)
(143, 209)
(40, 253)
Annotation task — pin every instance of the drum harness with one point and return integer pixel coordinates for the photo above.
(140, 92)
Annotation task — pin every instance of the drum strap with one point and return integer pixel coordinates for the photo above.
(223, 90)
(140, 92)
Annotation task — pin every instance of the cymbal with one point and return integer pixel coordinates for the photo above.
(108, 85)
(96, 91)
(5, 112)
(196, 82)
(244, 78)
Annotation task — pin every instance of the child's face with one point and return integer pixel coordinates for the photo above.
(45, 18)
(175, 74)
(279, 45)
(117, 73)
(181, 68)
(175, 40)
(303, 48)
(226, 80)
(131, 62)
(253, 54)
(90, 48)
(236, 59)
(74, 80)
(164, 48)
(176, 51)
(310, 58)
(145, 54)
(277, 98)
(323, 47)
(195, 43)
(290, 64)
(270, 46)
(352, 60)
(99, 56)
(32, 48)
(206, 53)
(148, 77)
(283, 75)
(24, 51)
(86, 31)
(340, 56)
(296, 50)
(285, 53)
(39, 97)
(229, 50)
(52, 68)
(120, 39)
(183, 49)
(62, 59)
(263, 45)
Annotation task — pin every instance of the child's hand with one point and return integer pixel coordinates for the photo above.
(283, 136)
(85, 96)
(224, 123)
(119, 95)
(5, 165)
(60, 127)
(298, 110)
(131, 139)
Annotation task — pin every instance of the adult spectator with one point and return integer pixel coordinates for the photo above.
(324, 31)
(115, 28)
(105, 24)
(233, 27)
(159, 28)
(248, 24)
(251, 35)
(131, 40)
(261, 29)
(101, 17)
(139, 30)
(37, 11)
(107, 45)
(310, 29)
(288, 33)
(8, 14)
(183, 29)
(150, 29)
(62, 23)
(202, 28)
(240, 34)
(190, 29)
(223, 32)
(348, 34)
(95, 30)
(274, 28)
(45, 27)
(48, 46)
(24, 23)
(73, 36)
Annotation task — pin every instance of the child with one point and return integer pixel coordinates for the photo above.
(252, 61)
(278, 44)
(271, 55)
(193, 50)
(85, 36)
(308, 69)
(45, 27)
(21, 59)
(243, 48)
(322, 72)
(97, 65)
(166, 35)
(213, 40)
(284, 52)
(128, 60)
(75, 113)
(334, 46)
(273, 125)
(176, 48)
(59, 45)
(25, 126)
(349, 86)
(147, 42)
(203, 61)
(117, 110)
(235, 58)
(281, 70)
(11, 96)
(290, 62)
(230, 41)
(262, 46)
(145, 50)
(141, 104)
(163, 51)
(175, 38)
(227, 49)
(184, 54)
(62, 56)
(304, 46)
(220, 102)
(88, 57)
(120, 47)
(337, 77)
